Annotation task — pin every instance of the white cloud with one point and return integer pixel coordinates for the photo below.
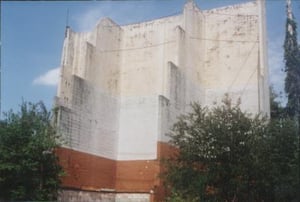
(50, 78)
(122, 13)
(88, 20)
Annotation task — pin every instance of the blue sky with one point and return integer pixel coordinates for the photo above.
(32, 34)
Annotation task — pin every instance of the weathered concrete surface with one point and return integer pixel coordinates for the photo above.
(122, 87)
(80, 196)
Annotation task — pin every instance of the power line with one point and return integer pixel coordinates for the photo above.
(248, 81)
(224, 40)
(240, 68)
(173, 41)
(138, 48)
(209, 12)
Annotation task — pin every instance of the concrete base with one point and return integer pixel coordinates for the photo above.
(78, 195)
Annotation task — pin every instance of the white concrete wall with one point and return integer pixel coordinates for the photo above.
(89, 90)
(232, 64)
(122, 87)
(138, 128)
(146, 49)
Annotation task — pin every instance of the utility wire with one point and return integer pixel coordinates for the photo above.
(247, 83)
(205, 13)
(240, 68)
(138, 48)
(173, 41)
(225, 40)
(236, 15)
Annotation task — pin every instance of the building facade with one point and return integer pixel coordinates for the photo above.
(122, 87)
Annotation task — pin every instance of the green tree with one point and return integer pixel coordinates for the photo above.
(280, 160)
(292, 69)
(29, 168)
(228, 155)
(277, 110)
(292, 64)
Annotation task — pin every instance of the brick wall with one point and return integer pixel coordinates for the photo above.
(92, 173)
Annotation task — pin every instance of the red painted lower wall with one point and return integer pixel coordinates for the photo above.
(86, 171)
(89, 172)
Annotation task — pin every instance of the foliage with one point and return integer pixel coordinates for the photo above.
(228, 155)
(281, 160)
(29, 168)
(292, 80)
(277, 111)
(292, 67)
